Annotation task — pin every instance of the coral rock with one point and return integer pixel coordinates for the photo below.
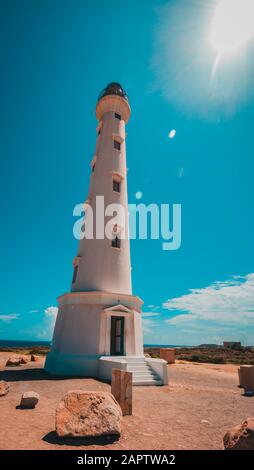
(240, 437)
(82, 413)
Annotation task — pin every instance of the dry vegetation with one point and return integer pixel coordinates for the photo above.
(37, 350)
(212, 355)
(215, 355)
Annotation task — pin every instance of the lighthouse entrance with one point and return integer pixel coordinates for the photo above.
(117, 336)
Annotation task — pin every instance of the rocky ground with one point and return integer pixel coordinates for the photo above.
(201, 402)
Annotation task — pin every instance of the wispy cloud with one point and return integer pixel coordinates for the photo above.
(48, 323)
(9, 317)
(150, 314)
(148, 326)
(230, 302)
(51, 312)
(33, 311)
(153, 308)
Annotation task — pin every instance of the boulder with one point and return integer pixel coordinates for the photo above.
(13, 361)
(240, 437)
(35, 358)
(82, 413)
(29, 400)
(4, 388)
(24, 359)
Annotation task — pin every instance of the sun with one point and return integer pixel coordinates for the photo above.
(232, 25)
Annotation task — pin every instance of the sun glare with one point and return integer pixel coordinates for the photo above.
(232, 25)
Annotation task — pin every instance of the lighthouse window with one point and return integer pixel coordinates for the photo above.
(117, 116)
(75, 272)
(116, 242)
(117, 145)
(116, 186)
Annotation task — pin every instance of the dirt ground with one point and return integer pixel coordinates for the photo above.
(201, 402)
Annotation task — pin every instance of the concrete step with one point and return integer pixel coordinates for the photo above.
(143, 374)
(147, 382)
(132, 365)
(146, 376)
(138, 371)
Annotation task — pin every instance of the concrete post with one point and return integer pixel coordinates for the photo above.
(121, 389)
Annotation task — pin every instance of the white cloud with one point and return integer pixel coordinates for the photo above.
(9, 317)
(148, 326)
(48, 324)
(153, 308)
(51, 312)
(150, 314)
(33, 311)
(228, 302)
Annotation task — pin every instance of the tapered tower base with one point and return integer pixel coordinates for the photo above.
(94, 324)
(98, 331)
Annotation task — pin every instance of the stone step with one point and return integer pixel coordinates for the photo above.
(137, 369)
(143, 373)
(147, 382)
(143, 369)
(132, 359)
(132, 365)
(141, 378)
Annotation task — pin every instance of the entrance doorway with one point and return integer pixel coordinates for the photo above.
(117, 336)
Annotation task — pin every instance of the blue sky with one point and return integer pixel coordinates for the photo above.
(55, 59)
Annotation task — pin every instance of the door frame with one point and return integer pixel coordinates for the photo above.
(113, 335)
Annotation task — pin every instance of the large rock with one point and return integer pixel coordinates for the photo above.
(29, 400)
(4, 388)
(82, 413)
(13, 361)
(24, 359)
(240, 437)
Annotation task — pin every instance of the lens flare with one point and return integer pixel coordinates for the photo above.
(232, 25)
(172, 134)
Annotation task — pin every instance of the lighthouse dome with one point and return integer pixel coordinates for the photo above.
(113, 88)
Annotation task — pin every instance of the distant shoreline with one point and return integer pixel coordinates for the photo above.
(23, 344)
(213, 354)
(27, 344)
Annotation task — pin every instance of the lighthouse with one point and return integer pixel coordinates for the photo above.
(99, 322)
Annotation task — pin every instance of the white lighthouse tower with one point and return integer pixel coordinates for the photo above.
(98, 325)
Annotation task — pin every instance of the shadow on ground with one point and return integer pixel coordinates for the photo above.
(18, 375)
(53, 438)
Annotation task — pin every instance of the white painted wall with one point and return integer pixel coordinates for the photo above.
(103, 282)
(102, 267)
(160, 367)
(83, 329)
